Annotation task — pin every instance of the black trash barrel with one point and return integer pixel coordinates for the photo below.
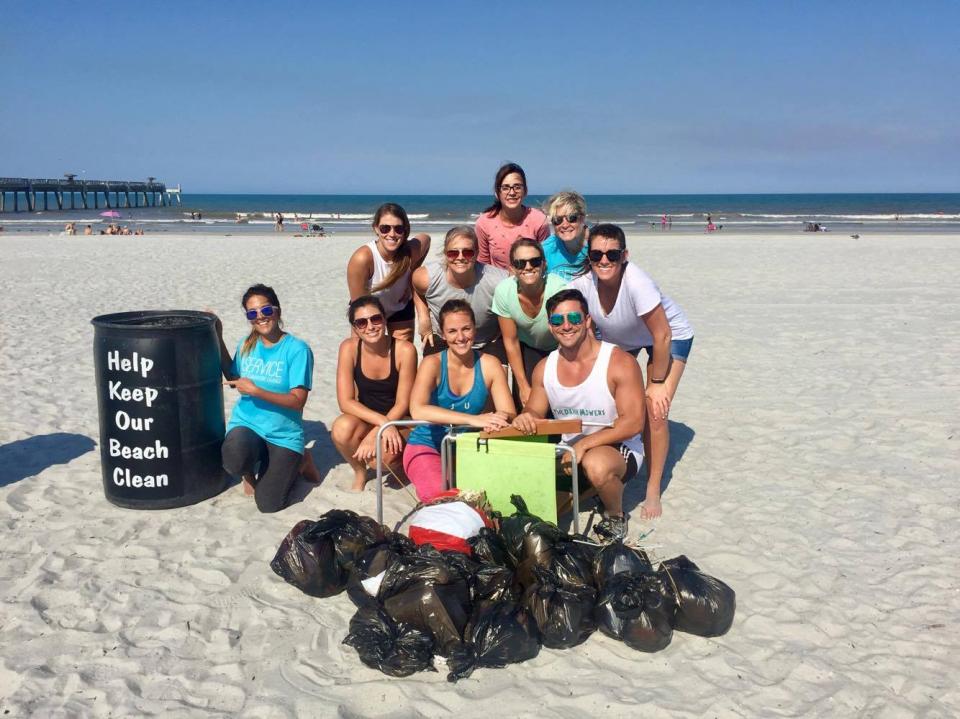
(160, 397)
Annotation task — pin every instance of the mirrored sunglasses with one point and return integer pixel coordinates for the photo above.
(467, 254)
(265, 311)
(574, 318)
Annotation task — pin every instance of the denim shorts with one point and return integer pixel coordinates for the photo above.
(679, 350)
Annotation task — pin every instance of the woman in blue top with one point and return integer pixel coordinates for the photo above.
(273, 372)
(566, 248)
(452, 387)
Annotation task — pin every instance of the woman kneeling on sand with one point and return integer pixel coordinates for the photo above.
(273, 372)
(383, 267)
(452, 387)
(375, 374)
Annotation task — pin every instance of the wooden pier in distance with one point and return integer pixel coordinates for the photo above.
(125, 193)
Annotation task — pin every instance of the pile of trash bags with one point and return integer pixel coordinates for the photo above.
(500, 597)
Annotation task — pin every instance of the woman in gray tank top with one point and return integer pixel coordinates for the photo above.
(458, 276)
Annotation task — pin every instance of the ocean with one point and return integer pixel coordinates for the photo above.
(434, 213)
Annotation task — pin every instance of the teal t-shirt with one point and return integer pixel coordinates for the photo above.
(532, 331)
(281, 368)
(561, 262)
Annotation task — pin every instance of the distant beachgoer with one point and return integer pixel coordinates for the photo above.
(70, 228)
(520, 303)
(199, 215)
(566, 249)
(458, 276)
(193, 215)
(375, 374)
(630, 311)
(88, 230)
(384, 267)
(663, 221)
(709, 219)
(278, 226)
(711, 227)
(273, 372)
(452, 387)
(508, 219)
(669, 222)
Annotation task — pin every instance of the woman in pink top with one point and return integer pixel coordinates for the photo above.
(508, 219)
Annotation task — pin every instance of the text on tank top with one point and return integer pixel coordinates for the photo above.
(396, 296)
(589, 401)
(377, 394)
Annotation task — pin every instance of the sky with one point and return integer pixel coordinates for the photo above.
(431, 97)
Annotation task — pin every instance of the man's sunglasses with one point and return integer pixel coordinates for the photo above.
(385, 229)
(265, 311)
(572, 219)
(574, 318)
(467, 254)
(613, 255)
(534, 262)
(374, 320)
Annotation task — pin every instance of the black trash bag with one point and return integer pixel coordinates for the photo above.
(396, 650)
(499, 633)
(563, 612)
(617, 558)
(705, 604)
(430, 590)
(637, 609)
(489, 548)
(514, 528)
(537, 550)
(573, 560)
(351, 534)
(492, 582)
(309, 564)
(441, 611)
(374, 562)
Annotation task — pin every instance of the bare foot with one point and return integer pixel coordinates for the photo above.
(308, 470)
(248, 489)
(359, 480)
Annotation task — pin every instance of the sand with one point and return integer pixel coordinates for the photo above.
(816, 462)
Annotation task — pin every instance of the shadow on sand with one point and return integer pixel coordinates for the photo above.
(28, 457)
(325, 457)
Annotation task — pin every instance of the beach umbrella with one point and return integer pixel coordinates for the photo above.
(110, 213)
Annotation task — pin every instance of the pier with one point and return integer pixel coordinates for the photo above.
(65, 192)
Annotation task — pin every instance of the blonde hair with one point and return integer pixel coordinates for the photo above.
(567, 198)
(456, 232)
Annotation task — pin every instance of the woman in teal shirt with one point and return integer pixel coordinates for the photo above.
(566, 248)
(520, 303)
(273, 372)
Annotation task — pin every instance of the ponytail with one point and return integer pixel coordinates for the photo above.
(263, 291)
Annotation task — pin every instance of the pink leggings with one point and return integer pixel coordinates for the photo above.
(422, 465)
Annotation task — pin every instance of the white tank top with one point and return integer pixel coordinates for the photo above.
(396, 296)
(589, 401)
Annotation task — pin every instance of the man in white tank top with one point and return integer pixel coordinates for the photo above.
(597, 382)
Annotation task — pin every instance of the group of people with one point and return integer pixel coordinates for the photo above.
(556, 301)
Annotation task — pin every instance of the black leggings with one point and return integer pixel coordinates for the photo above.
(243, 450)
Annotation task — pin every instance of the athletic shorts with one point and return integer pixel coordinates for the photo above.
(679, 350)
(565, 482)
(404, 314)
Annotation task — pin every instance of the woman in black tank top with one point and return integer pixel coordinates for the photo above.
(375, 374)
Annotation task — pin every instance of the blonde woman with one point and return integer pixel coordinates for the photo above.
(566, 248)
(383, 267)
(457, 276)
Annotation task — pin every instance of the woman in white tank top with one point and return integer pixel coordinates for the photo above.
(383, 267)
(629, 310)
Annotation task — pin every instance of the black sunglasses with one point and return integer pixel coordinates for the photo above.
(385, 229)
(375, 320)
(572, 219)
(613, 255)
(521, 264)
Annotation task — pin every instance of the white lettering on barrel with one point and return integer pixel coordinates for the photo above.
(138, 364)
(117, 391)
(122, 477)
(137, 424)
(157, 451)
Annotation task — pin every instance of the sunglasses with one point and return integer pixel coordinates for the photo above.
(374, 320)
(572, 219)
(522, 264)
(574, 318)
(467, 254)
(613, 255)
(385, 229)
(265, 311)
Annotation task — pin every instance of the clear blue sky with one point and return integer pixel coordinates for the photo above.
(430, 97)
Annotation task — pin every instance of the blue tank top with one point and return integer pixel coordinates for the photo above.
(472, 402)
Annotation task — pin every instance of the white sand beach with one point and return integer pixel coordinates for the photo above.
(815, 467)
